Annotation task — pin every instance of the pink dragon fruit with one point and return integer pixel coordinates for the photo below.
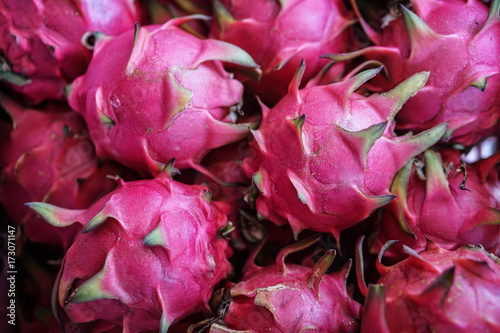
(324, 157)
(171, 98)
(150, 253)
(49, 157)
(443, 207)
(458, 42)
(291, 298)
(47, 44)
(278, 34)
(435, 290)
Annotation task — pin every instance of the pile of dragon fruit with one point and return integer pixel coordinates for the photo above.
(234, 166)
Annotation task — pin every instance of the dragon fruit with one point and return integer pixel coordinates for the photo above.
(49, 157)
(171, 98)
(278, 34)
(291, 298)
(435, 290)
(46, 44)
(150, 254)
(458, 42)
(443, 207)
(324, 157)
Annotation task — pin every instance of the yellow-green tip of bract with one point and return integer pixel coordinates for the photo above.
(156, 238)
(319, 270)
(418, 31)
(57, 216)
(92, 289)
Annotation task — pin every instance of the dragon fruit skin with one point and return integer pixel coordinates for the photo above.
(143, 112)
(278, 34)
(320, 156)
(458, 42)
(44, 45)
(45, 165)
(150, 253)
(435, 290)
(292, 297)
(439, 209)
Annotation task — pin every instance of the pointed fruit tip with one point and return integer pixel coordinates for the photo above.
(383, 200)
(319, 270)
(430, 245)
(338, 57)
(359, 79)
(96, 221)
(67, 90)
(438, 289)
(405, 90)
(292, 248)
(374, 313)
(91, 290)
(414, 255)
(207, 196)
(293, 88)
(222, 15)
(494, 13)
(298, 124)
(381, 268)
(56, 216)
(155, 238)
(365, 139)
(414, 83)
(178, 21)
(360, 269)
(368, 74)
(418, 31)
(428, 138)
(169, 170)
(45, 210)
(227, 230)
(480, 83)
